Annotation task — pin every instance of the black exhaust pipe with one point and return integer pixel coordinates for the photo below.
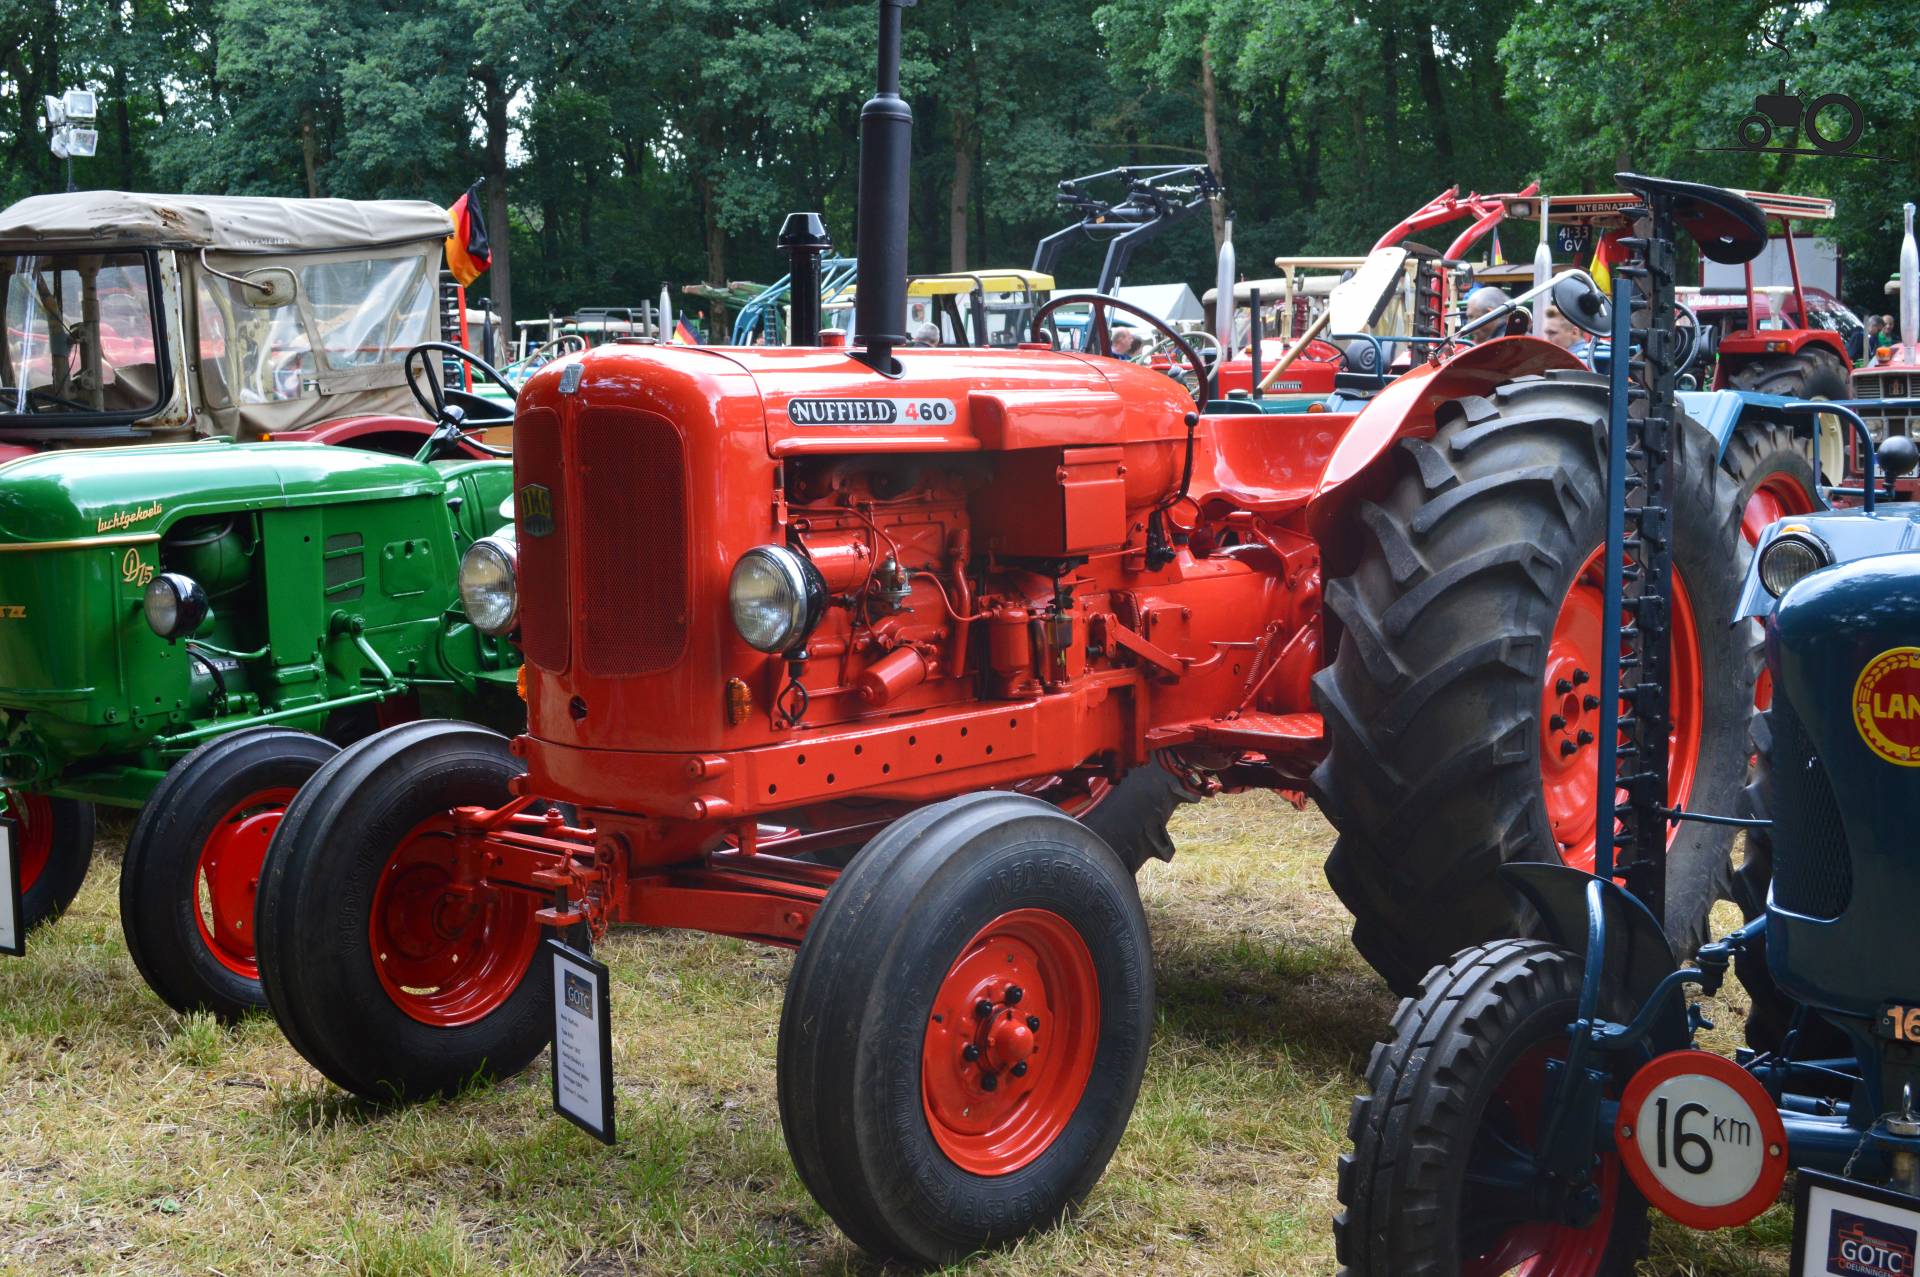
(886, 153)
(803, 238)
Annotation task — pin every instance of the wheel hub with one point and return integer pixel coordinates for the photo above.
(227, 877)
(32, 816)
(1010, 1042)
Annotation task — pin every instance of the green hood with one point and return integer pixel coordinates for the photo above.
(126, 494)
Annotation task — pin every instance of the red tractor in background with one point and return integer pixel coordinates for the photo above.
(903, 656)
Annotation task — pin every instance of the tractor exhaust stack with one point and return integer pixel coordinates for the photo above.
(1909, 290)
(886, 153)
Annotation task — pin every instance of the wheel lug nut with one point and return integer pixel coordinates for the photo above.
(983, 1008)
(1580, 676)
(1033, 1023)
(1585, 737)
(1557, 723)
(1590, 701)
(969, 1052)
(989, 1082)
(1563, 687)
(1014, 994)
(1568, 749)
(1020, 1069)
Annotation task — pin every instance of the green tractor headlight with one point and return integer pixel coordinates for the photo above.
(1789, 559)
(175, 605)
(489, 590)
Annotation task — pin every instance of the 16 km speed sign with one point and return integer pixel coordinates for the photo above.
(1702, 1139)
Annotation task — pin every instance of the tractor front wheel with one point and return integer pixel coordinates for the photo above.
(966, 1028)
(391, 969)
(1451, 1120)
(193, 866)
(1463, 705)
(53, 841)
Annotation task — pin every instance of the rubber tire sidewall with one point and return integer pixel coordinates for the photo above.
(852, 1027)
(1432, 702)
(159, 883)
(314, 912)
(68, 858)
(1427, 1089)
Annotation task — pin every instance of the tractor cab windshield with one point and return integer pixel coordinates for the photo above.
(83, 336)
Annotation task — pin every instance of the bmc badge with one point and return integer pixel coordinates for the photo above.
(871, 412)
(1886, 705)
(535, 508)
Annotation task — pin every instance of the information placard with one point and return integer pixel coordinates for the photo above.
(582, 1042)
(13, 931)
(1846, 1229)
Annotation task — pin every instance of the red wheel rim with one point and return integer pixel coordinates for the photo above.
(1777, 497)
(1570, 709)
(1025, 968)
(449, 947)
(227, 877)
(1538, 1248)
(33, 834)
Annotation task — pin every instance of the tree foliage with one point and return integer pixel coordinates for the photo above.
(634, 142)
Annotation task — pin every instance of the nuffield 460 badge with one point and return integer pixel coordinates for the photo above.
(1886, 705)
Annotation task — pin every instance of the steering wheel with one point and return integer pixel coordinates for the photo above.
(1695, 335)
(41, 392)
(1203, 375)
(450, 419)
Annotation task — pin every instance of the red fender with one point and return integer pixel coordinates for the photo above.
(344, 430)
(1407, 406)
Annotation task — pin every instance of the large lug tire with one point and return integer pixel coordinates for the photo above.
(1814, 373)
(1461, 706)
(1464, 1074)
(193, 865)
(1775, 476)
(958, 929)
(389, 983)
(53, 841)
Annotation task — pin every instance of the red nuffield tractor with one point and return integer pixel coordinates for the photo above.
(829, 647)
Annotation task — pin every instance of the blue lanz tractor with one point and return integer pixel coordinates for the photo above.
(1538, 1094)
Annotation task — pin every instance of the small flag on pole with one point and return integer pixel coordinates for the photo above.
(469, 251)
(683, 335)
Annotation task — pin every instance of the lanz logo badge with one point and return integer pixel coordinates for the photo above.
(1886, 705)
(535, 508)
(871, 412)
(1860, 1247)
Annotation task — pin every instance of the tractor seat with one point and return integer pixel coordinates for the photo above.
(1729, 228)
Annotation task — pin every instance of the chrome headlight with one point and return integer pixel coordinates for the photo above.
(1790, 558)
(777, 597)
(175, 605)
(489, 592)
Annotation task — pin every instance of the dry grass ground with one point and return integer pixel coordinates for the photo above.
(132, 1140)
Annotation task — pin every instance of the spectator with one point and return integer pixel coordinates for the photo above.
(1484, 300)
(1126, 344)
(924, 334)
(1565, 334)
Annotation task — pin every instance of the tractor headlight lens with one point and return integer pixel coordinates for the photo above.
(777, 597)
(489, 592)
(1789, 559)
(175, 605)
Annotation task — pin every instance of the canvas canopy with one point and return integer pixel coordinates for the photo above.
(233, 224)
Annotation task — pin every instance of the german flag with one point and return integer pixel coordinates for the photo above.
(1608, 252)
(683, 335)
(469, 252)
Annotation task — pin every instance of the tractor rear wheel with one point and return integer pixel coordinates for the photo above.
(1462, 705)
(966, 1028)
(1776, 479)
(193, 866)
(1454, 1103)
(392, 972)
(53, 840)
(1814, 373)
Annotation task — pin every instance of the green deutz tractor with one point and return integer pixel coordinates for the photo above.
(193, 628)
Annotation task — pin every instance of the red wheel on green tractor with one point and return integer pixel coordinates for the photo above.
(1456, 705)
(966, 1027)
(193, 866)
(451, 984)
(53, 838)
(1453, 1104)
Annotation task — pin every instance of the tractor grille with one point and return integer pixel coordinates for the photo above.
(538, 462)
(631, 474)
(1812, 870)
